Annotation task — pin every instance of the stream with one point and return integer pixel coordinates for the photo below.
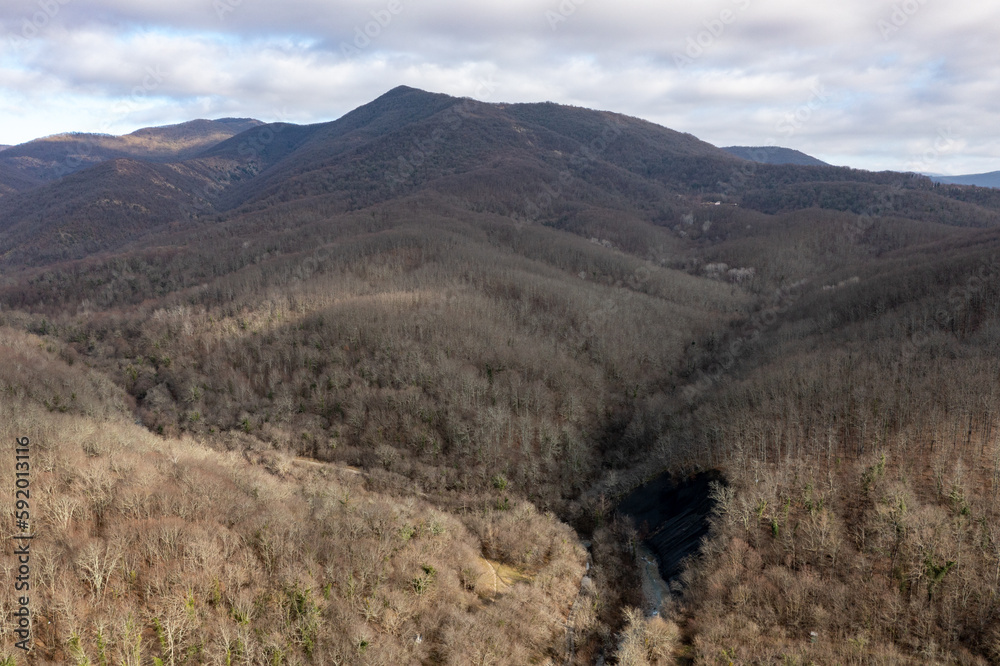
(671, 516)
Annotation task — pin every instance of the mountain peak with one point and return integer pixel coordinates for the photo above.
(402, 89)
(402, 93)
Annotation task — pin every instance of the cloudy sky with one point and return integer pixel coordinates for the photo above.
(877, 84)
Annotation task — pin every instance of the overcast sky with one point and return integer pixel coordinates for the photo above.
(907, 85)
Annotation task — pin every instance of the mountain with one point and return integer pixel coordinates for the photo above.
(991, 179)
(408, 140)
(55, 156)
(547, 163)
(774, 155)
(411, 386)
(95, 209)
(14, 180)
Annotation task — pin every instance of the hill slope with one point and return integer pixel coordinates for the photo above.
(774, 155)
(56, 156)
(533, 162)
(991, 179)
(95, 209)
(330, 389)
(408, 139)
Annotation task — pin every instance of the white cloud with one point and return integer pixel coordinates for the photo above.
(750, 65)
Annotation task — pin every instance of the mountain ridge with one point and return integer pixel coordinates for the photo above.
(403, 367)
(989, 179)
(51, 157)
(534, 162)
(774, 155)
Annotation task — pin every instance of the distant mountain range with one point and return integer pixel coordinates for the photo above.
(779, 155)
(774, 155)
(991, 179)
(538, 162)
(55, 156)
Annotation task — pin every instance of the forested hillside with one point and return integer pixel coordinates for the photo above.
(53, 157)
(369, 392)
(774, 155)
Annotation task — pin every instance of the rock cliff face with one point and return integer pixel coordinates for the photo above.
(671, 515)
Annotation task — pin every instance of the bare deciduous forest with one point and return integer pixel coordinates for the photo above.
(320, 402)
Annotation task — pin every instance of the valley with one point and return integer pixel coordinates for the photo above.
(358, 392)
